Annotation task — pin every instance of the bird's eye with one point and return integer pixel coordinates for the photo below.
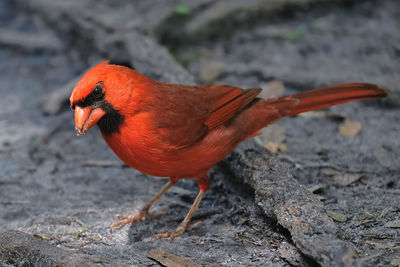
(98, 91)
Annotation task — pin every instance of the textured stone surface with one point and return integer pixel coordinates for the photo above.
(62, 191)
(21, 249)
(294, 207)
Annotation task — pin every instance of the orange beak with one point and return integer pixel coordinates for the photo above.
(86, 117)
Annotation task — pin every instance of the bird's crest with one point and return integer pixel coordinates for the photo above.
(88, 82)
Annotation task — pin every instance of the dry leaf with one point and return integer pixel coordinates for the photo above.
(283, 148)
(170, 260)
(272, 89)
(320, 198)
(350, 128)
(329, 172)
(393, 224)
(322, 114)
(272, 147)
(211, 70)
(347, 178)
(273, 133)
(315, 188)
(336, 216)
(276, 147)
(395, 262)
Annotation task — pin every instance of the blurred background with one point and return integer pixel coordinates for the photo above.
(64, 190)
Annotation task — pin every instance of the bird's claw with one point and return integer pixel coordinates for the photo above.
(141, 216)
(170, 233)
(178, 232)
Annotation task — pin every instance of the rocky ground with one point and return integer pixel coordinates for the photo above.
(322, 192)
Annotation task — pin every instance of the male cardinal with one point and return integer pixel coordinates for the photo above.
(180, 131)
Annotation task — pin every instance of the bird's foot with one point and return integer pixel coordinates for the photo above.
(140, 216)
(178, 232)
(170, 233)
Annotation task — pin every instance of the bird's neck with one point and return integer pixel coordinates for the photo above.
(111, 122)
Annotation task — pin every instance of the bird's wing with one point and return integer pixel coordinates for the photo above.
(190, 112)
(228, 105)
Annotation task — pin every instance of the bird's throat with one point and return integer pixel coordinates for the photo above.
(112, 121)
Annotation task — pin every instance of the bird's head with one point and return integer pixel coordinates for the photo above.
(97, 99)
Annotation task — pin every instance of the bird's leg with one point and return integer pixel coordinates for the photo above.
(203, 184)
(144, 212)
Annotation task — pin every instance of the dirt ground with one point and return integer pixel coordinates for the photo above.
(322, 199)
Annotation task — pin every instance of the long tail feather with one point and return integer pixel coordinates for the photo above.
(334, 95)
(267, 111)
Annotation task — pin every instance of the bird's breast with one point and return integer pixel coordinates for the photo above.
(140, 148)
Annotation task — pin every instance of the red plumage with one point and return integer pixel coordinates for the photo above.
(181, 131)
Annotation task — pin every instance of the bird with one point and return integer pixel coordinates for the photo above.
(181, 131)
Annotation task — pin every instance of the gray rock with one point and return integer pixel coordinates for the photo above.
(20, 249)
(94, 30)
(289, 203)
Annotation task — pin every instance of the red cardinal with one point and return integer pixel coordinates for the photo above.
(181, 131)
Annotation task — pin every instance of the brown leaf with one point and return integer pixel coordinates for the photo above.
(347, 178)
(350, 128)
(276, 147)
(395, 262)
(272, 89)
(273, 133)
(322, 114)
(170, 260)
(336, 216)
(211, 70)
